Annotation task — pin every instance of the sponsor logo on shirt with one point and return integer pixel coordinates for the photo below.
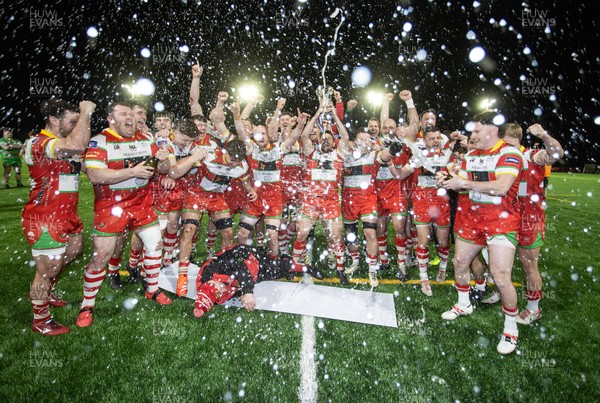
(93, 144)
(512, 160)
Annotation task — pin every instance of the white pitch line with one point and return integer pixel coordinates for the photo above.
(307, 392)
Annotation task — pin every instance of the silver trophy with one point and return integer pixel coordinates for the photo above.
(325, 95)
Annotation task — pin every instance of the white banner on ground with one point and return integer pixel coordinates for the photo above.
(167, 280)
(373, 308)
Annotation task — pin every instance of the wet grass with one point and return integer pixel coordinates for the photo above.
(150, 353)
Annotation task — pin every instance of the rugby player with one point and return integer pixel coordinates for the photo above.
(491, 173)
(50, 221)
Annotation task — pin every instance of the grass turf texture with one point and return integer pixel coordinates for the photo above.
(150, 353)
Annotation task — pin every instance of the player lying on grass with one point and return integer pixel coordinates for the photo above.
(235, 271)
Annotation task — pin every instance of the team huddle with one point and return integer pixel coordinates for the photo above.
(281, 178)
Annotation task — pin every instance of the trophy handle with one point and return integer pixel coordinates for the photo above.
(325, 95)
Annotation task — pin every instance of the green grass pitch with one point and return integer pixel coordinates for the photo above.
(150, 353)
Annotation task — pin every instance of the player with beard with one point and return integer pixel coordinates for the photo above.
(431, 206)
(236, 195)
(117, 163)
(463, 205)
(291, 176)
(161, 186)
(279, 129)
(197, 115)
(182, 141)
(321, 199)
(136, 247)
(391, 199)
(265, 159)
(373, 128)
(428, 118)
(491, 173)
(50, 221)
(359, 197)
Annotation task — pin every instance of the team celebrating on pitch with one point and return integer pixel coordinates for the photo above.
(483, 190)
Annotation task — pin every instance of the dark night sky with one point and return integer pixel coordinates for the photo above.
(265, 42)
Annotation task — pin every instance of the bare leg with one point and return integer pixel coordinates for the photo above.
(7, 169)
(226, 233)
(529, 261)
(502, 254)
(464, 253)
(272, 229)
(95, 271)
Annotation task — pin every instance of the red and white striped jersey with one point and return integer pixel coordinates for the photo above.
(109, 150)
(55, 182)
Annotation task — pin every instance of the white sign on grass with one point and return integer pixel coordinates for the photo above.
(346, 304)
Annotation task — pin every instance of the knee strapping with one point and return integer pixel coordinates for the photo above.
(224, 223)
(191, 221)
(245, 225)
(370, 225)
(152, 240)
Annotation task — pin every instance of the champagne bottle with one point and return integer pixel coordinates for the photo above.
(161, 142)
(151, 162)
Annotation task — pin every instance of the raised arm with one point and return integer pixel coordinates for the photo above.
(413, 116)
(339, 105)
(76, 142)
(385, 108)
(290, 140)
(349, 115)
(274, 122)
(240, 129)
(344, 143)
(195, 108)
(307, 144)
(217, 116)
(250, 106)
(552, 152)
